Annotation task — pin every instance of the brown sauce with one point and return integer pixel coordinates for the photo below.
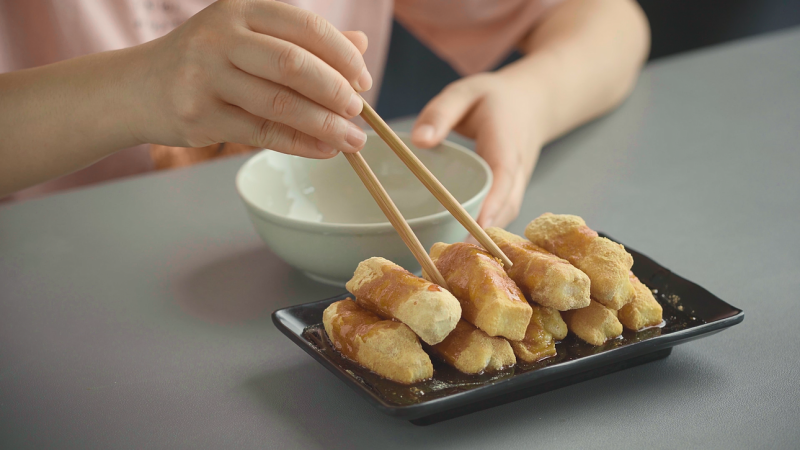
(351, 322)
(540, 349)
(386, 293)
(456, 342)
(473, 273)
(538, 341)
(447, 380)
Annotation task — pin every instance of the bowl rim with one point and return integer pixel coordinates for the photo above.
(375, 227)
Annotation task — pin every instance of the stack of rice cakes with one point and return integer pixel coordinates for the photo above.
(564, 278)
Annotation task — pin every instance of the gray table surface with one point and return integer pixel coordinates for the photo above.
(136, 314)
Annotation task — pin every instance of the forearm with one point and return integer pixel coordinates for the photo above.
(581, 61)
(59, 118)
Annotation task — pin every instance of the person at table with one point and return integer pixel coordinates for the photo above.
(84, 79)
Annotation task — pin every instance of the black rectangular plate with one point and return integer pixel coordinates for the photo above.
(690, 312)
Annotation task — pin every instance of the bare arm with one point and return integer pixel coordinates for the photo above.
(586, 55)
(59, 118)
(253, 72)
(581, 60)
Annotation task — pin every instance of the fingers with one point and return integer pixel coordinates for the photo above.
(503, 203)
(443, 112)
(502, 206)
(279, 104)
(509, 203)
(358, 38)
(290, 65)
(497, 151)
(244, 128)
(312, 32)
(496, 199)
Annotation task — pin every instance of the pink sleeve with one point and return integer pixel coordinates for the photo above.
(471, 35)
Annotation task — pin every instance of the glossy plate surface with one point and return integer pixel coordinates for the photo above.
(690, 312)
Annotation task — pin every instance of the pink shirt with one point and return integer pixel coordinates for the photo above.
(471, 35)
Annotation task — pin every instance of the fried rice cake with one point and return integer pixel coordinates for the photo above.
(594, 324)
(644, 311)
(605, 262)
(546, 327)
(386, 347)
(542, 276)
(392, 292)
(489, 298)
(472, 351)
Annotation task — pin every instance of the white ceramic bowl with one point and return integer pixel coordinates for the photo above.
(318, 217)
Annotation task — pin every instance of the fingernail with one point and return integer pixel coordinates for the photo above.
(355, 137)
(424, 133)
(364, 81)
(354, 107)
(326, 148)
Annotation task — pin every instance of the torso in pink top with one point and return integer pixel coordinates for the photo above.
(472, 35)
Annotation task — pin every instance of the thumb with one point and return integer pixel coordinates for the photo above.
(443, 113)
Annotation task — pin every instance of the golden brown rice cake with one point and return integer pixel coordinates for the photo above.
(392, 292)
(644, 311)
(489, 298)
(594, 324)
(386, 347)
(605, 262)
(542, 276)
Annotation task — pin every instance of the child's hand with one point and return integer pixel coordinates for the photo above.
(253, 72)
(502, 117)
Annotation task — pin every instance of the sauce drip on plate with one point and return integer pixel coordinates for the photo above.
(447, 380)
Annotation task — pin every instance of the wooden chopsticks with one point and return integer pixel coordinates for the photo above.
(395, 217)
(434, 186)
